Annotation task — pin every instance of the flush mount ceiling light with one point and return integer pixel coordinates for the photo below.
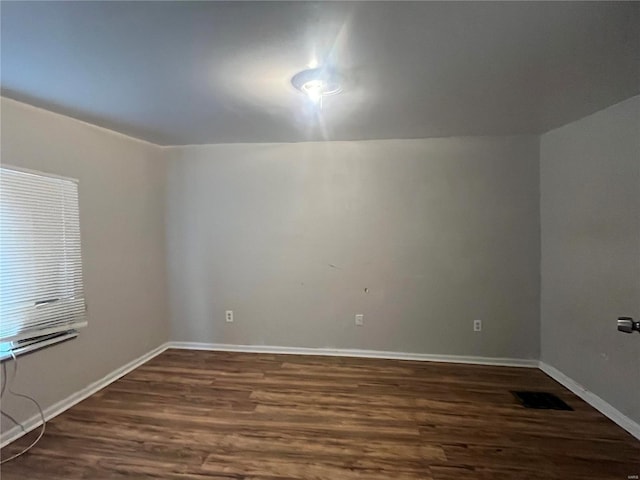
(317, 83)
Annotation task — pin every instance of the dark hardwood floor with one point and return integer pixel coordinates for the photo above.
(214, 415)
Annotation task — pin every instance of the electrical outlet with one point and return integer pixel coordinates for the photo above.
(477, 325)
(228, 316)
(359, 319)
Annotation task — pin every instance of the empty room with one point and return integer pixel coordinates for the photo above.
(320, 240)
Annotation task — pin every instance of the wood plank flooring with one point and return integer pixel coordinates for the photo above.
(234, 416)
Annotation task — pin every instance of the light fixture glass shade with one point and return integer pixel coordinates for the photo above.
(317, 83)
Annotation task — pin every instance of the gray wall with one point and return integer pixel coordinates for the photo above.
(289, 236)
(121, 195)
(590, 210)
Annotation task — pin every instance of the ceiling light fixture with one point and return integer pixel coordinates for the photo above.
(317, 83)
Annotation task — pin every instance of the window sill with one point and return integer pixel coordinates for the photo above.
(37, 344)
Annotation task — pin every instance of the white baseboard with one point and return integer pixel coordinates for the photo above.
(57, 408)
(339, 352)
(592, 399)
(63, 405)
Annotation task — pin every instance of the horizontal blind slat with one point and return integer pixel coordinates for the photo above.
(41, 288)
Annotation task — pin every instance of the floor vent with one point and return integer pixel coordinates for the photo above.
(542, 400)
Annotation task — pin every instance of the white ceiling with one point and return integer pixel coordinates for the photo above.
(218, 72)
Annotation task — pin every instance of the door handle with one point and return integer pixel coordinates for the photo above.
(628, 325)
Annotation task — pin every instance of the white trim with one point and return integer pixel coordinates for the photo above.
(57, 408)
(65, 404)
(592, 399)
(339, 352)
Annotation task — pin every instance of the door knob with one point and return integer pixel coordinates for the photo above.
(628, 325)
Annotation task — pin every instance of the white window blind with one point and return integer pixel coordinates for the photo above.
(41, 290)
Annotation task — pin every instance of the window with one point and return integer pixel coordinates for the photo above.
(41, 291)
